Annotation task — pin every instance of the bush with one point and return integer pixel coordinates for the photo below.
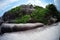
(39, 16)
(23, 19)
(53, 11)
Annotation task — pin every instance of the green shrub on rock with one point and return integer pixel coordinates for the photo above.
(39, 16)
(23, 19)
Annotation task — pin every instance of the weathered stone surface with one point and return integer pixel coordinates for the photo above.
(52, 20)
(26, 9)
(19, 27)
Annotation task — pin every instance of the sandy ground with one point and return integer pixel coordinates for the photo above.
(43, 33)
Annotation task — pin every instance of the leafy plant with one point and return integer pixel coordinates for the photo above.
(23, 19)
(39, 16)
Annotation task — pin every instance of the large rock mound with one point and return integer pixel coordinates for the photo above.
(17, 12)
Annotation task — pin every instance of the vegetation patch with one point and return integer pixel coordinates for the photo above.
(27, 13)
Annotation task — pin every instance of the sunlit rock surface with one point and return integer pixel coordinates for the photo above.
(49, 33)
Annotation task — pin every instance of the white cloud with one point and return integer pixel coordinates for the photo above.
(5, 3)
(36, 2)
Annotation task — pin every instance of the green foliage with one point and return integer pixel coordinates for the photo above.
(38, 7)
(39, 16)
(23, 19)
(52, 9)
(15, 10)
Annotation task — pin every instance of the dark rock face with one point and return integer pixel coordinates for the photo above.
(15, 29)
(9, 16)
(1, 21)
(6, 28)
(26, 9)
(52, 20)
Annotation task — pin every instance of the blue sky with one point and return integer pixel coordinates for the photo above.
(6, 5)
